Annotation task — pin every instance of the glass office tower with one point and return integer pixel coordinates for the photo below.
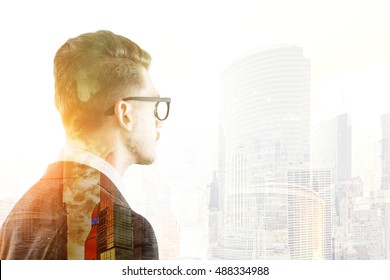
(264, 136)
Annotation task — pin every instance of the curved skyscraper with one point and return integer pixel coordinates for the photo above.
(264, 137)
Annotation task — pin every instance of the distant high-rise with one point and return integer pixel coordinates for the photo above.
(264, 133)
(309, 230)
(385, 182)
(305, 221)
(332, 147)
(214, 221)
(332, 155)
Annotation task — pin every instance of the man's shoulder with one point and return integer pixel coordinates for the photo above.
(39, 215)
(46, 195)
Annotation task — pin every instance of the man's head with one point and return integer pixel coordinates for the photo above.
(94, 72)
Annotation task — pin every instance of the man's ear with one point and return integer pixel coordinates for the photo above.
(123, 114)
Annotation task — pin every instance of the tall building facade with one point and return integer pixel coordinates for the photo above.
(109, 237)
(385, 179)
(332, 147)
(213, 214)
(308, 226)
(264, 134)
(332, 155)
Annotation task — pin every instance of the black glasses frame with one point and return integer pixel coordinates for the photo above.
(156, 99)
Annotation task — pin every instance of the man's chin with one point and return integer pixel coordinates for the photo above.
(146, 160)
(145, 163)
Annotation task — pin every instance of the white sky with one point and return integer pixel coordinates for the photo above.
(191, 43)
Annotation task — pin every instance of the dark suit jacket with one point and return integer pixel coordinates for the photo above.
(75, 212)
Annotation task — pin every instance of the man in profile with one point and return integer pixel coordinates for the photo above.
(111, 113)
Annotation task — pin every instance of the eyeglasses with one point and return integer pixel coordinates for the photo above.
(161, 109)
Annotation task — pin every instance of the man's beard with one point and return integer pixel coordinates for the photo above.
(141, 154)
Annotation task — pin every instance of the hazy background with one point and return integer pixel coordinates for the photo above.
(191, 43)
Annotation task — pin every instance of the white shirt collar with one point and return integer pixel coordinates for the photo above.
(78, 155)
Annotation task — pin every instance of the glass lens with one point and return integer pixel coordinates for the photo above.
(162, 110)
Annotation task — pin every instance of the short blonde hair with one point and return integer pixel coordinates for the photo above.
(91, 72)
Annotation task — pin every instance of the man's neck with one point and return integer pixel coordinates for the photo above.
(116, 157)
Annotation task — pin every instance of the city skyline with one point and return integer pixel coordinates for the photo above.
(283, 193)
